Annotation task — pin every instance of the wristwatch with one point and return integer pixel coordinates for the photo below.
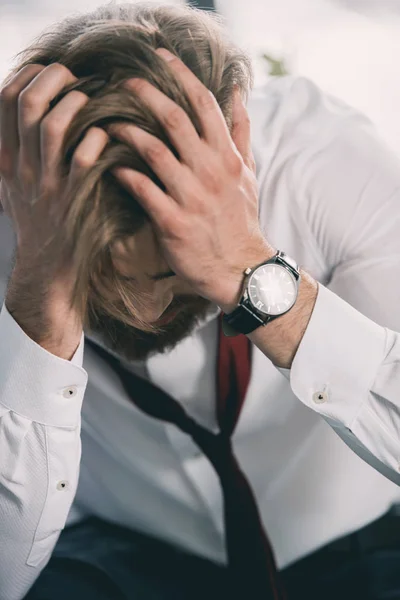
(270, 291)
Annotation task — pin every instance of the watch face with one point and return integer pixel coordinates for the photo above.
(272, 289)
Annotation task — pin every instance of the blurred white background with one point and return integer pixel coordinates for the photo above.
(351, 48)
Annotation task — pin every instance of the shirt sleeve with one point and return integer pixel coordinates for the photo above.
(347, 367)
(40, 404)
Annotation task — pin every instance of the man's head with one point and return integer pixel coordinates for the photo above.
(124, 283)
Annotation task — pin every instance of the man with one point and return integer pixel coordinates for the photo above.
(326, 192)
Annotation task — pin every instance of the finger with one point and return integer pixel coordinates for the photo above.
(176, 122)
(88, 152)
(159, 206)
(9, 137)
(34, 103)
(54, 127)
(156, 154)
(214, 128)
(241, 130)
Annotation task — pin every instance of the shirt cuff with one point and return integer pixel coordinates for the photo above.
(36, 384)
(338, 359)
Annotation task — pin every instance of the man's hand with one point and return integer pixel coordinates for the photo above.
(33, 195)
(207, 222)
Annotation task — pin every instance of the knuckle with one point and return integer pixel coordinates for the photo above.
(26, 174)
(61, 73)
(8, 93)
(156, 152)
(28, 99)
(58, 67)
(206, 100)
(11, 90)
(32, 68)
(174, 225)
(174, 118)
(142, 185)
(52, 126)
(137, 85)
(48, 182)
(234, 165)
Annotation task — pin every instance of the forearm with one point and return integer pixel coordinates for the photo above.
(42, 309)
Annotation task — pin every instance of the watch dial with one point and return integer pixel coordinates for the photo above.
(272, 289)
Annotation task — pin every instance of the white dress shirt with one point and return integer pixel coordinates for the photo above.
(329, 197)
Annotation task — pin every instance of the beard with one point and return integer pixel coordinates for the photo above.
(132, 343)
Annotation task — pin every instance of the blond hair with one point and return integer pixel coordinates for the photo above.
(103, 48)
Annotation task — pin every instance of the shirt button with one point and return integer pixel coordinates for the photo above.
(70, 392)
(320, 397)
(62, 485)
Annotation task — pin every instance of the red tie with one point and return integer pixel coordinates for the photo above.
(253, 572)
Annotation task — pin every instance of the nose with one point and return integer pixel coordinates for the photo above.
(162, 305)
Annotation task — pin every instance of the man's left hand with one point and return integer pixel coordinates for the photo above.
(207, 220)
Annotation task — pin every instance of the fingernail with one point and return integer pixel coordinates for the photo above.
(165, 54)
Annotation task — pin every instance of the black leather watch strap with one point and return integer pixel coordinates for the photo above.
(243, 320)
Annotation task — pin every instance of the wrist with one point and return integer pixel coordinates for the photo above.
(231, 287)
(44, 313)
(280, 339)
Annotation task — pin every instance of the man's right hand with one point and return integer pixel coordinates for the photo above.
(33, 194)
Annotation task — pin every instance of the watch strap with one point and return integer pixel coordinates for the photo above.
(242, 320)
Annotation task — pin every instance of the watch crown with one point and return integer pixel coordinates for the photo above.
(247, 271)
